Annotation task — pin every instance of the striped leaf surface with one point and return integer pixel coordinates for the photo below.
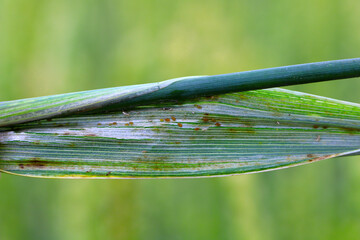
(25, 110)
(208, 136)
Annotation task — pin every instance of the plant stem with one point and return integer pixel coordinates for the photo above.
(266, 78)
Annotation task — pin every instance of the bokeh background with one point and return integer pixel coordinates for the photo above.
(50, 46)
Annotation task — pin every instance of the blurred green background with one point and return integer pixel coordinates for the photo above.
(49, 47)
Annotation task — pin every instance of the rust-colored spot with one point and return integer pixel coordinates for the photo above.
(173, 118)
(144, 151)
(350, 130)
(90, 135)
(206, 114)
(131, 123)
(114, 123)
(321, 158)
(21, 166)
(177, 142)
(167, 119)
(180, 125)
(213, 120)
(99, 124)
(126, 124)
(198, 106)
(315, 126)
(205, 119)
(196, 129)
(161, 120)
(218, 124)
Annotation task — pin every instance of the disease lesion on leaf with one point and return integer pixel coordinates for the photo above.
(34, 162)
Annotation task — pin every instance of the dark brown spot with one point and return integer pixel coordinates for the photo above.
(315, 126)
(218, 124)
(206, 114)
(108, 173)
(49, 119)
(66, 133)
(177, 142)
(325, 127)
(180, 125)
(196, 129)
(21, 166)
(198, 106)
(35, 162)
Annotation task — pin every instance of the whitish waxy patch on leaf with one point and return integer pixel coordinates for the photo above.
(221, 135)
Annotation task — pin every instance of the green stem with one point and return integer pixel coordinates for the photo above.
(267, 78)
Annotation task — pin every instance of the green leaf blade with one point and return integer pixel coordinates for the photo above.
(220, 135)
